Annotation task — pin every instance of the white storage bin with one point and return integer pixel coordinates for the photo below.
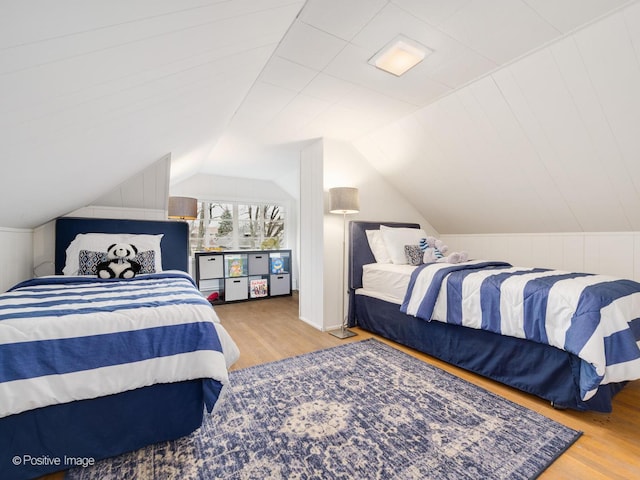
(280, 284)
(211, 266)
(236, 289)
(258, 263)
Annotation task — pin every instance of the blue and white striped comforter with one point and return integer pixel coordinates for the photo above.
(72, 338)
(595, 317)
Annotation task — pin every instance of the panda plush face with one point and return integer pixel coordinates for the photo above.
(121, 252)
(120, 263)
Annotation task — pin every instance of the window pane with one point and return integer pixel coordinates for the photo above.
(273, 226)
(220, 229)
(197, 229)
(257, 226)
(213, 227)
(250, 226)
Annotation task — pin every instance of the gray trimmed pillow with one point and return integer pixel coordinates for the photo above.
(414, 254)
(88, 261)
(147, 261)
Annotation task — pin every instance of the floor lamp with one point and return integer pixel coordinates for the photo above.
(343, 200)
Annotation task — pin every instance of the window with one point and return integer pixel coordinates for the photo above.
(234, 225)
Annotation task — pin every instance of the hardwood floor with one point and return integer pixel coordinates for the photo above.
(609, 448)
(269, 330)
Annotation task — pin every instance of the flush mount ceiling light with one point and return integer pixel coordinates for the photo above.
(400, 55)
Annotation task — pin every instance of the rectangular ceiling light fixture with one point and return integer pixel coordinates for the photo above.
(400, 55)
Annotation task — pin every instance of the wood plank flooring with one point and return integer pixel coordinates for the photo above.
(609, 448)
(269, 330)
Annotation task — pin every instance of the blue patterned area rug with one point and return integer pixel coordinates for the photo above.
(362, 410)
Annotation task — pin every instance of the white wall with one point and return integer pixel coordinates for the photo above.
(149, 189)
(616, 254)
(216, 187)
(16, 256)
(344, 166)
(312, 250)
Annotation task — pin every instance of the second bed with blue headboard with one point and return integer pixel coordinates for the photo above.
(570, 338)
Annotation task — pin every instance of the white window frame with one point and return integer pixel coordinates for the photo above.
(235, 220)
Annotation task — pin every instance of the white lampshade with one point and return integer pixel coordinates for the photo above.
(344, 200)
(184, 208)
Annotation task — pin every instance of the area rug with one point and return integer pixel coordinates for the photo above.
(362, 410)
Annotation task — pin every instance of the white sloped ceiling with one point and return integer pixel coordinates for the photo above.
(549, 143)
(94, 92)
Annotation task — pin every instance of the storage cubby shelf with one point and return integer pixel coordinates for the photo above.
(232, 276)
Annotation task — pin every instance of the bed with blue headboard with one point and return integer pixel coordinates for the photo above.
(174, 243)
(92, 394)
(549, 372)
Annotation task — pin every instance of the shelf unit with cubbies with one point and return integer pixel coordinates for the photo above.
(232, 276)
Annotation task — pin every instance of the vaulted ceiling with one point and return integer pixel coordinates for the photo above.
(93, 92)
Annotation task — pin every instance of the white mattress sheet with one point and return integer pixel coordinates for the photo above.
(386, 281)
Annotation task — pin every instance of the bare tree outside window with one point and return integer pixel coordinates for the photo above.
(273, 226)
(262, 226)
(237, 226)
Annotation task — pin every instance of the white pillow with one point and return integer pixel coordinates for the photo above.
(99, 242)
(396, 238)
(376, 244)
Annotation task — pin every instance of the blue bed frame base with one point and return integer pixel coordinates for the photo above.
(101, 427)
(542, 370)
(111, 425)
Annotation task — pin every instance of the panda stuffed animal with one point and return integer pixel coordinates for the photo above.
(119, 262)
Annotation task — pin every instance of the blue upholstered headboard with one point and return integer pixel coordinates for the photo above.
(174, 245)
(359, 252)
